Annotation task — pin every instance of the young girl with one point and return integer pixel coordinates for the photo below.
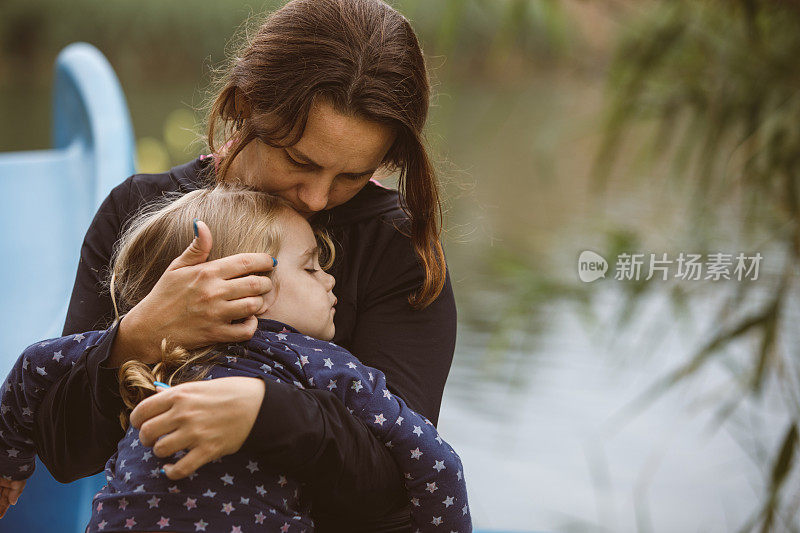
(291, 345)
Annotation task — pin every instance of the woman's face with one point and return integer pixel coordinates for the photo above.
(302, 295)
(332, 161)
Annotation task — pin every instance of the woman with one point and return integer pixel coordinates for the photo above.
(326, 93)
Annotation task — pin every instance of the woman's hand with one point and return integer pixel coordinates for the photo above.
(9, 493)
(194, 303)
(209, 419)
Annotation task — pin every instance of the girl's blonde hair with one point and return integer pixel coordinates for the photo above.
(240, 219)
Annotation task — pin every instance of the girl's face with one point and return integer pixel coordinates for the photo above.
(303, 293)
(336, 156)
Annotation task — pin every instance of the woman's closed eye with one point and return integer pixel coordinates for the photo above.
(295, 163)
(304, 166)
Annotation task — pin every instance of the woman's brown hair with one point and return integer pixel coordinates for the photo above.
(363, 58)
(240, 219)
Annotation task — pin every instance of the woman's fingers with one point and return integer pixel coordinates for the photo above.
(198, 250)
(173, 443)
(241, 308)
(235, 266)
(189, 463)
(234, 289)
(152, 406)
(156, 427)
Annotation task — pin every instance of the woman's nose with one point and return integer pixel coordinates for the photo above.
(330, 281)
(315, 195)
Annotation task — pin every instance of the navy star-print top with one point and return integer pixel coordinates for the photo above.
(233, 493)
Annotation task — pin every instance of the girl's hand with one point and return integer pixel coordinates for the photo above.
(208, 418)
(194, 303)
(9, 493)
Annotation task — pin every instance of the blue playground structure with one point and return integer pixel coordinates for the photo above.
(50, 197)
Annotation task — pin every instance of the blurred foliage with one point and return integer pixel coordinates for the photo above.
(156, 40)
(719, 79)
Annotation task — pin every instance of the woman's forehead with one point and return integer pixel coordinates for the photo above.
(344, 143)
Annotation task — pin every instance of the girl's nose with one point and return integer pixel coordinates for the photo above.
(330, 281)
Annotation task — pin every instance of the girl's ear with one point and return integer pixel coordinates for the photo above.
(269, 297)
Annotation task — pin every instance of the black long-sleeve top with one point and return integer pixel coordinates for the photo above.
(354, 483)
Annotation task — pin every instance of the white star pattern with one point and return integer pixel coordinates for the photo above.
(417, 431)
(252, 466)
(437, 521)
(282, 481)
(228, 508)
(399, 420)
(79, 337)
(332, 384)
(164, 522)
(416, 454)
(190, 503)
(209, 493)
(351, 365)
(387, 394)
(357, 386)
(200, 525)
(227, 479)
(261, 490)
(448, 501)
(57, 356)
(431, 487)
(130, 522)
(260, 517)
(380, 419)
(328, 362)
(439, 466)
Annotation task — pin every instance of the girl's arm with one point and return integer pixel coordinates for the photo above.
(432, 470)
(39, 366)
